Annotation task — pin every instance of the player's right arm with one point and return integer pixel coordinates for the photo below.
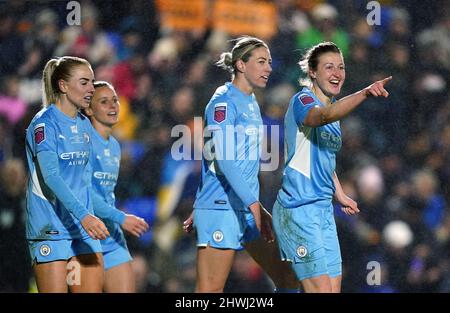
(222, 133)
(48, 164)
(44, 141)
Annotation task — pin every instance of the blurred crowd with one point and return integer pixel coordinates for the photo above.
(395, 159)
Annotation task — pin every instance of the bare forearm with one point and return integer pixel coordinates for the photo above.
(342, 107)
(348, 205)
(339, 193)
(255, 208)
(321, 115)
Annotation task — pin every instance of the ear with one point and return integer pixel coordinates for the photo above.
(62, 86)
(240, 66)
(312, 74)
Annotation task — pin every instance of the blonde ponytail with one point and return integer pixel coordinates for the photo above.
(226, 62)
(49, 95)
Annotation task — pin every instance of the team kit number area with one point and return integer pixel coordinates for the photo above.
(209, 304)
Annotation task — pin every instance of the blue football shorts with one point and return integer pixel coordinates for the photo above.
(42, 251)
(115, 251)
(307, 238)
(225, 229)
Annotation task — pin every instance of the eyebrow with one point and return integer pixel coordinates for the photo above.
(333, 63)
(114, 96)
(84, 78)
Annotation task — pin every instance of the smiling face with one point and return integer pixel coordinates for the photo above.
(330, 74)
(79, 88)
(104, 107)
(257, 69)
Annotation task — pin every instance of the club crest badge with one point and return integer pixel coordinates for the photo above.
(218, 236)
(302, 251)
(45, 250)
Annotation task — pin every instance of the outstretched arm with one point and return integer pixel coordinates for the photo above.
(321, 115)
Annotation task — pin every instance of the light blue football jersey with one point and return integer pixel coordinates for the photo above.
(105, 163)
(310, 155)
(230, 164)
(52, 130)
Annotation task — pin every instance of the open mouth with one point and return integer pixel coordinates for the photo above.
(335, 82)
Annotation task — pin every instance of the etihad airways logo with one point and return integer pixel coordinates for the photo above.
(105, 175)
(75, 157)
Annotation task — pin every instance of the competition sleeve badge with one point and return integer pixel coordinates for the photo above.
(220, 113)
(306, 99)
(39, 133)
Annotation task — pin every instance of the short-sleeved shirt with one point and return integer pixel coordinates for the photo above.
(310, 155)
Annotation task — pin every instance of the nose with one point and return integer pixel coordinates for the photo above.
(91, 88)
(337, 71)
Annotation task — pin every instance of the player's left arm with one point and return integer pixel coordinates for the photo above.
(133, 224)
(104, 210)
(349, 206)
